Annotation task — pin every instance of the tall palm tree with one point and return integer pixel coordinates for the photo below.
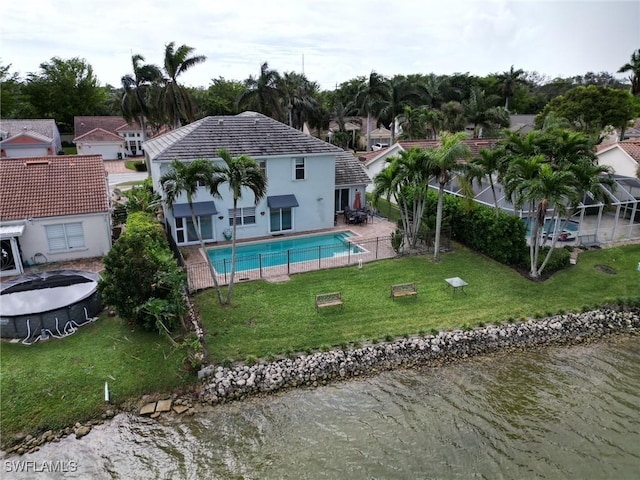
(508, 82)
(370, 99)
(184, 178)
(634, 68)
(449, 158)
(453, 119)
(239, 173)
(479, 111)
(135, 104)
(176, 99)
(299, 98)
(413, 123)
(401, 94)
(406, 179)
(487, 165)
(263, 94)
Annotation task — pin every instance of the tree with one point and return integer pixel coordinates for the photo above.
(406, 179)
(508, 82)
(483, 115)
(299, 98)
(239, 173)
(633, 67)
(453, 119)
(185, 178)
(592, 109)
(63, 89)
(221, 98)
(12, 100)
(401, 92)
(551, 171)
(135, 103)
(262, 94)
(446, 160)
(488, 164)
(141, 278)
(176, 102)
(413, 123)
(370, 100)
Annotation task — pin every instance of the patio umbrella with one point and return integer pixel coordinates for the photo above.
(357, 203)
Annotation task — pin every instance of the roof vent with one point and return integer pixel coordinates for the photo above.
(256, 121)
(220, 121)
(39, 161)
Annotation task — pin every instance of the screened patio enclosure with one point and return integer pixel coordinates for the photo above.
(617, 221)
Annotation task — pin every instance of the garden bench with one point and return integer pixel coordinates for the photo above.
(329, 300)
(404, 290)
(590, 240)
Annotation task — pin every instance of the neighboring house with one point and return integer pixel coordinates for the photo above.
(100, 142)
(375, 162)
(522, 123)
(52, 209)
(129, 133)
(622, 157)
(29, 138)
(308, 180)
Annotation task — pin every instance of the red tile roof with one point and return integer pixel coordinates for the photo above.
(52, 186)
(99, 135)
(474, 144)
(632, 147)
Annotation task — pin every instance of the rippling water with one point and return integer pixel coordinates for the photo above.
(569, 413)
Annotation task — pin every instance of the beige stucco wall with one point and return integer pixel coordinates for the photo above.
(97, 237)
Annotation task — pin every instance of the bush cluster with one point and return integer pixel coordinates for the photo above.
(142, 279)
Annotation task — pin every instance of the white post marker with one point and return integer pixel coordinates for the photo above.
(106, 392)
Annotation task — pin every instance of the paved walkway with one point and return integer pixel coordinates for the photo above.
(118, 173)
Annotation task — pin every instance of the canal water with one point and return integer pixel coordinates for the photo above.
(559, 413)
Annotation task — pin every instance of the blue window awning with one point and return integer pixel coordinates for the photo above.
(200, 208)
(282, 201)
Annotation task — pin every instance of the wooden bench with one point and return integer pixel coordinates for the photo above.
(404, 290)
(588, 240)
(329, 300)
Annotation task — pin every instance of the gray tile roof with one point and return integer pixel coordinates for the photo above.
(46, 127)
(251, 134)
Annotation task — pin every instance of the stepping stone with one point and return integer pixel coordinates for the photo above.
(163, 406)
(179, 409)
(148, 409)
(155, 415)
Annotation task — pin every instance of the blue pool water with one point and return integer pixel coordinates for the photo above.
(280, 252)
(549, 226)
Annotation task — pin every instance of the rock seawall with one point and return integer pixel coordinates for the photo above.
(221, 384)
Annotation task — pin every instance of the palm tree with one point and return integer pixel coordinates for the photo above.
(135, 103)
(487, 164)
(370, 99)
(453, 117)
(508, 82)
(406, 179)
(634, 68)
(299, 98)
(263, 94)
(401, 93)
(176, 99)
(479, 111)
(184, 178)
(443, 164)
(413, 123)
(239, 173)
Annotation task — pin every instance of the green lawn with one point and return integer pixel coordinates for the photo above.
(272, 318)
(69, 150)
(56, 383)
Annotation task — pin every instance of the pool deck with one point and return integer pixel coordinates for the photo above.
(200, 276)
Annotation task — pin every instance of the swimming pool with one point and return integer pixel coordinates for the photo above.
(273, 253)
(571, 227)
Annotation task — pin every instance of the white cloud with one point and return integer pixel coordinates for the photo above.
(339, 40)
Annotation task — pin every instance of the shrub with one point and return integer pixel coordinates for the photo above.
(141, 278)
(140, 166)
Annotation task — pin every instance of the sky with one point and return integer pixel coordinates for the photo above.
(329, 41)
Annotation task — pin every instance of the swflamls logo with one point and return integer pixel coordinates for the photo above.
(32, 466)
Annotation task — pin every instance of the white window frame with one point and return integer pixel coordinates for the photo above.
(244, 216)
(63, 237)
(181, 229)
(299, 164)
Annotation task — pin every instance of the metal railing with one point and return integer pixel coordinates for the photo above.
(354, 251)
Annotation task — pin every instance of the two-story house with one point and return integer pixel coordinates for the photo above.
(308, 180)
